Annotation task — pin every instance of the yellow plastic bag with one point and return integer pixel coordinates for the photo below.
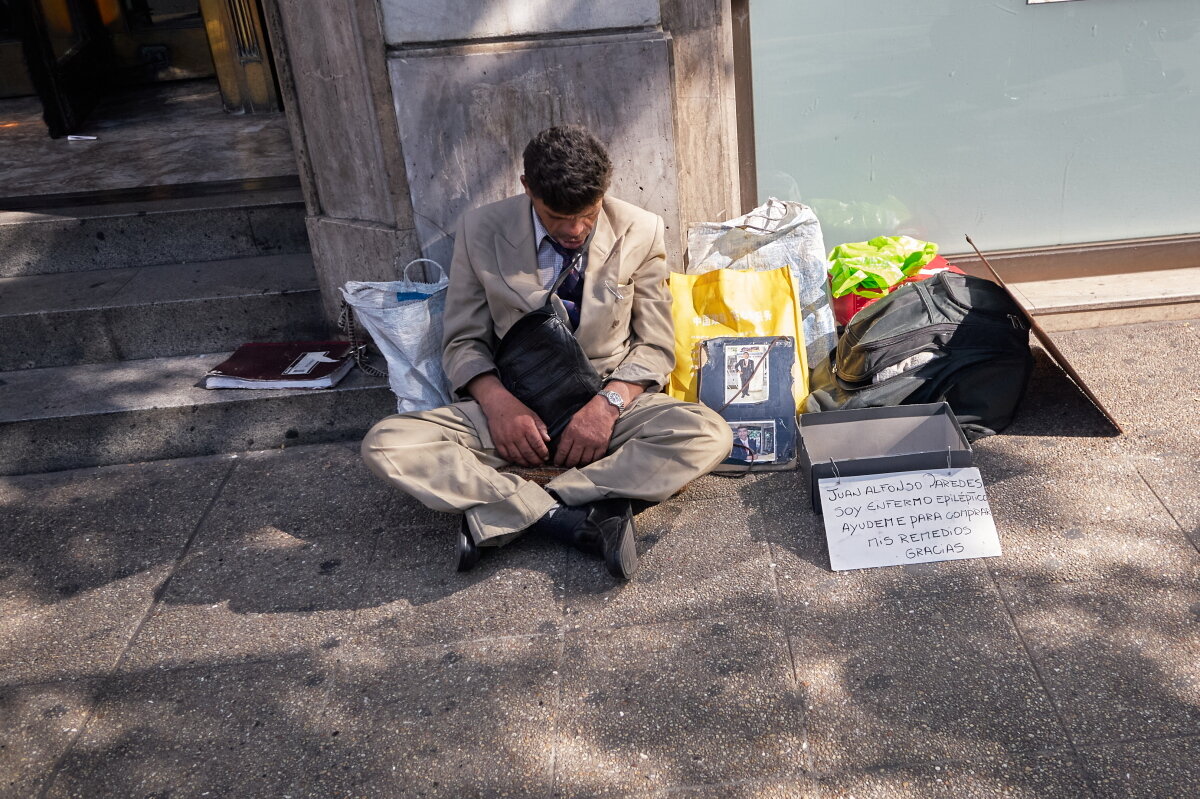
(730, 302)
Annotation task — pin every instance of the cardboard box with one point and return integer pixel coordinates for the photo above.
(880, 440)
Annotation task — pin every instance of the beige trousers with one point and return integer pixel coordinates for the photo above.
(445, 459)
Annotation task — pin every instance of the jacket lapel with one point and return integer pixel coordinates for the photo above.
(516, 253)
(603, 270)
(516, 261)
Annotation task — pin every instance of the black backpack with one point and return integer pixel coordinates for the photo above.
(952, 337)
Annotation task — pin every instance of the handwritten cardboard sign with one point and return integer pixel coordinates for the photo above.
(907, 517)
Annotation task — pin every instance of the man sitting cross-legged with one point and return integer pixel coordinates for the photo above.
(628, 442)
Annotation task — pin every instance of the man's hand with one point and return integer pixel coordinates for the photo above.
(518, 434)
(587, 435)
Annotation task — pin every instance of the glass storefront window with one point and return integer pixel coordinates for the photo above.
(1021, 125)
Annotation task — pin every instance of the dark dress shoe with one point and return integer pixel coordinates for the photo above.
(612, 523)
(468, 550)
(567, 524)
(603, 528)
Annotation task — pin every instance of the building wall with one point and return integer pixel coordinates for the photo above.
(409, 21)
(466, 112)
(407, 113)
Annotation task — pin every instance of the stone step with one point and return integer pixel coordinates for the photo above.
(100, 414)
(153, 311)
(109, 235)
(1112, 299)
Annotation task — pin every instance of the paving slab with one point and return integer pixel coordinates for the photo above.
(1120, 656)
(83, 553)
(1145, 770)
(933, 678)
(1072, 500)
(242, 730)
(414, 596)
(1163, 433)
(1050, 775)
(741, 789)
(278, 566)
(655, 706)
(1130, 367)
(1078, 511)
(698, 559)
(461, 720)
(1054, 405)
(803, 575)
(1054, 775)
(1057, 431)
(740, 487)
(1173, 476)
(409, 514)
(37, 724)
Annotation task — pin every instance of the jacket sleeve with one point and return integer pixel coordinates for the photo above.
(651, 355)
(468, 335)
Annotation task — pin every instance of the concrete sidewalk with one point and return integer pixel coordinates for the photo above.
(280, 624)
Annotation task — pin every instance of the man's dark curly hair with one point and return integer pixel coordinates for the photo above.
(567, 168)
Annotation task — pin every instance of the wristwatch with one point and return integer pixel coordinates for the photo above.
(614, 399)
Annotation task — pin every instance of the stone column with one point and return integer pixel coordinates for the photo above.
(333, 75)
(706, 118)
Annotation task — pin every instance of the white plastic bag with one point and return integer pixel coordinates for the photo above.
(404, 318)
(775, 234)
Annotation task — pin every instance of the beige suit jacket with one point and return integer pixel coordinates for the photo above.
(494, 282)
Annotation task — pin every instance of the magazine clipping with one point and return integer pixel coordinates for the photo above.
(753, 442)
(746, 374)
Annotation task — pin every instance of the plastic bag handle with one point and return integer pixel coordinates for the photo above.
(349, 326)
(766, 215)
(404, 272)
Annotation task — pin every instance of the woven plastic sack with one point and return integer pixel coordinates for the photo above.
(404, 319)
(776, 233)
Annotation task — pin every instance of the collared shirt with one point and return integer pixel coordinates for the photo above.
(549, 262)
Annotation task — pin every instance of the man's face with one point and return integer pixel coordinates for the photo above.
(743, 433)
(569, 230)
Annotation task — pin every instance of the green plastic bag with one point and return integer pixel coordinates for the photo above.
(870, 268)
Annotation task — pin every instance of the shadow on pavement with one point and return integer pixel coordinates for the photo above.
(313, 639)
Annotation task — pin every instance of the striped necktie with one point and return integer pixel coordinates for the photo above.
(570, 291)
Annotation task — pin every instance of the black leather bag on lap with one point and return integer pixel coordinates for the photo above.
(542, 364)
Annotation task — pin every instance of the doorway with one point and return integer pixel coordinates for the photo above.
(73, 53)
(145, 113)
